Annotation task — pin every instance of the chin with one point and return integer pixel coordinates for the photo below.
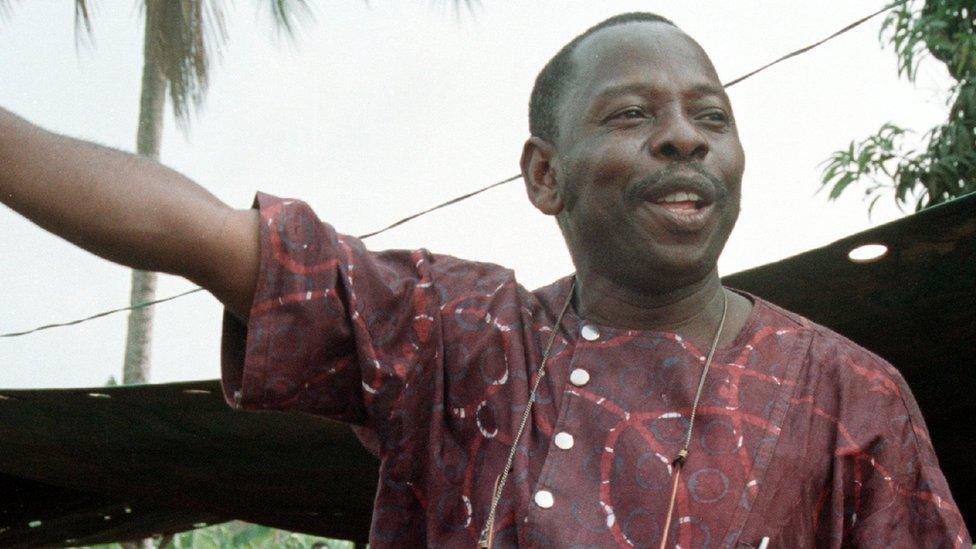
(661, 274)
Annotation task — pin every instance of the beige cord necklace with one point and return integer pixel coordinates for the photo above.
(486, 539)
(679, 461)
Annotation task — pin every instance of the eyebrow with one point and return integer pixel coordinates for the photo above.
(709, 89)
(698, 90)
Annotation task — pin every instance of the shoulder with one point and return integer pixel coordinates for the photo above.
(826, 345)
(840, 370)
(474, 274)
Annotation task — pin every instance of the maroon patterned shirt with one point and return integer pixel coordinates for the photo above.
(802, 436)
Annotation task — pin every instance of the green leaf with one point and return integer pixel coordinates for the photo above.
(841, 184)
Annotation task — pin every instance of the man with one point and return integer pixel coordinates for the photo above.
(636, 403)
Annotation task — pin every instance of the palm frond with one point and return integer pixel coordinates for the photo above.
(289, 14)
(182, 38)
(460, 7)
(83, 23)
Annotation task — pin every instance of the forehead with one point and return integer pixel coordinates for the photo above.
(654, 54)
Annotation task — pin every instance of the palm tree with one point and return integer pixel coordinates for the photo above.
(181, 37)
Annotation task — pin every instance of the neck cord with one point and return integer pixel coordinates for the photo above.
(486, 539)
(679, 461)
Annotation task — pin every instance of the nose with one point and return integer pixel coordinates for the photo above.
(678, 139)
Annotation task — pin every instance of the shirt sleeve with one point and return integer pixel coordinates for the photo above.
(334, 329)
(893, 493)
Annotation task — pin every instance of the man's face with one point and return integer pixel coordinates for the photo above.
(648, 160)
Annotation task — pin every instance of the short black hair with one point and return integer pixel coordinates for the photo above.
(551, 81)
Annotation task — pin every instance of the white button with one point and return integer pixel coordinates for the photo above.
(563, 440)
(579, 377)
(590, 333)
(544, 499)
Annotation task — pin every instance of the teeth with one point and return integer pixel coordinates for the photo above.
(681, 197)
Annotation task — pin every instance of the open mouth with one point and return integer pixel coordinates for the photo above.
(682, 211)
(682, 202)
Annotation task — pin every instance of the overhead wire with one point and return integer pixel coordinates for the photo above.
(199, 289)
(466, 196)
(815, 44)
(100, 315)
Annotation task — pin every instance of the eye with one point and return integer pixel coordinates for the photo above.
(629, 113)
(715, 117)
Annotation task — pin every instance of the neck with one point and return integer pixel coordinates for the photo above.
(693, 311)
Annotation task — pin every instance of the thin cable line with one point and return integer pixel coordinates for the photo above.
(470, 194)
(439, 206)
(815, 44)
(198, 288)
(99, 315)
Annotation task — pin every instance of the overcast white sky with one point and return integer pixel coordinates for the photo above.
(383, 109)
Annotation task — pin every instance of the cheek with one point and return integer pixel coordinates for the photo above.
(732, 167)
(592, 171)
(738, 157)
(608, 166)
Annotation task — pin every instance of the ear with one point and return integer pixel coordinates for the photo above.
(539, 174)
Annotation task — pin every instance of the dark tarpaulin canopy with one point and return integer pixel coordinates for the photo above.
(85, 466)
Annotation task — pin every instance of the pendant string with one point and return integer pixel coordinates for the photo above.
(487, 533)
(679, 461)
(486, 539)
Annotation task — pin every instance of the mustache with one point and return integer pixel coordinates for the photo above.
(676, 175)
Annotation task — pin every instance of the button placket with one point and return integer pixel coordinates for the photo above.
(548, 484)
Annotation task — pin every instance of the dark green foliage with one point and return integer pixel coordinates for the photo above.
(944, 167)
(234, 535)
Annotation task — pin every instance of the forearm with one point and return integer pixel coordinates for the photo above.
(117, 205)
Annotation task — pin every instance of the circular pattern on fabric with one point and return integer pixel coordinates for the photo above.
(651, 472)
(746, 498)
(718, 436)
(469, 314)
(589, 466)
(715, 392)
(589, 516)
(454, 512)
(493, 366)
(707, 485)
(704, 538)
(641, 528)
(302, 241)
(670, 427)
(507, 318)
(485, 419)
(635, 381)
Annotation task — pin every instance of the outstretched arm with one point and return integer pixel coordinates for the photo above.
(129, 210)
